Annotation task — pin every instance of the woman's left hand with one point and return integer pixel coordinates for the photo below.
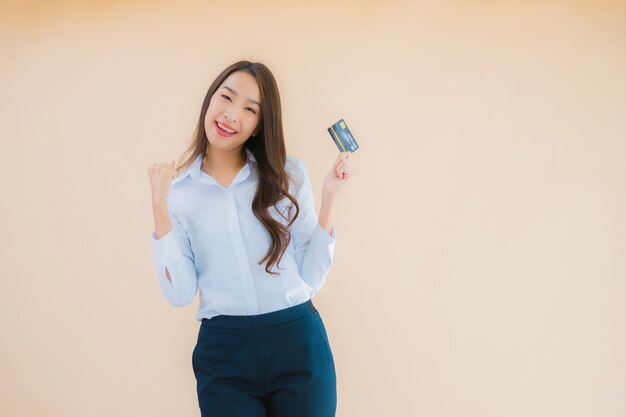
(339, 174)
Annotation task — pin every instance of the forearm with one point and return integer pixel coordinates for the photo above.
(162, 222)
(324, 217)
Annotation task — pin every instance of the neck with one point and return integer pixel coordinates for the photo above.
(217, 160)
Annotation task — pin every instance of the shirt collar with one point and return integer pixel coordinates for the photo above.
(196, 173)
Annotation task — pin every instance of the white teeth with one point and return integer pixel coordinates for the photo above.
(224, 129)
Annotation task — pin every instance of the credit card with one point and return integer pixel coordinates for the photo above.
(343, 137)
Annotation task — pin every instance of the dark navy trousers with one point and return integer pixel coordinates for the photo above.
(277, 364)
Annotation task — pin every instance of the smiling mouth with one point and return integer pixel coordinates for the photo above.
(223, 130)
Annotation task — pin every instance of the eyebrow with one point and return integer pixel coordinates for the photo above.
(235, 93)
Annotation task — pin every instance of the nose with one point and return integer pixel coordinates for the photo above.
(229, 116)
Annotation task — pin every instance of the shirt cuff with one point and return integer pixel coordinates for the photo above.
(162, 247)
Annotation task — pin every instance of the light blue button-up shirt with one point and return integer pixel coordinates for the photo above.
(216, 242)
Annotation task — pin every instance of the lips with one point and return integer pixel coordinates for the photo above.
(225, 125)
(222, 132)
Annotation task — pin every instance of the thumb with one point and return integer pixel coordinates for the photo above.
(340, 157)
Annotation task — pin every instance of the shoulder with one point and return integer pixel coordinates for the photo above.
(192, 167)
(292, 162)
(298, 174)
(296, 168)
(181, 188)
(181, 176)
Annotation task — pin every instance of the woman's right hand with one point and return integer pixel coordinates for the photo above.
(161, 175)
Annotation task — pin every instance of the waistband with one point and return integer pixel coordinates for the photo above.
(256, 321)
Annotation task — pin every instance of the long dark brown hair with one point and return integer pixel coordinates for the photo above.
(268, 148)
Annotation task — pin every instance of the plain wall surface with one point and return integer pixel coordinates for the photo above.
(480, 263)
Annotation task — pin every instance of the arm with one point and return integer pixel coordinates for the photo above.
(173, 257)
(314, 242)
(324, 217)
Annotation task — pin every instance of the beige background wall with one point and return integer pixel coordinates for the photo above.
(480, 263)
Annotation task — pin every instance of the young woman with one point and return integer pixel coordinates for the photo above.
(236, 222)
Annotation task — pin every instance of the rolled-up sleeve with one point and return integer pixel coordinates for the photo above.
(314, 247)
(173, 251)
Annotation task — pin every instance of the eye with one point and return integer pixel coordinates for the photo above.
(251, 109)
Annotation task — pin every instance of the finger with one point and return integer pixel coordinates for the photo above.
(344, 164)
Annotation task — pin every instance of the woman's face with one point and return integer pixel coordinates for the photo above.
(235, 106)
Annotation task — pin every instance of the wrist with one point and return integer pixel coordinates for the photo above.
(327, 196)
(158, 204)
